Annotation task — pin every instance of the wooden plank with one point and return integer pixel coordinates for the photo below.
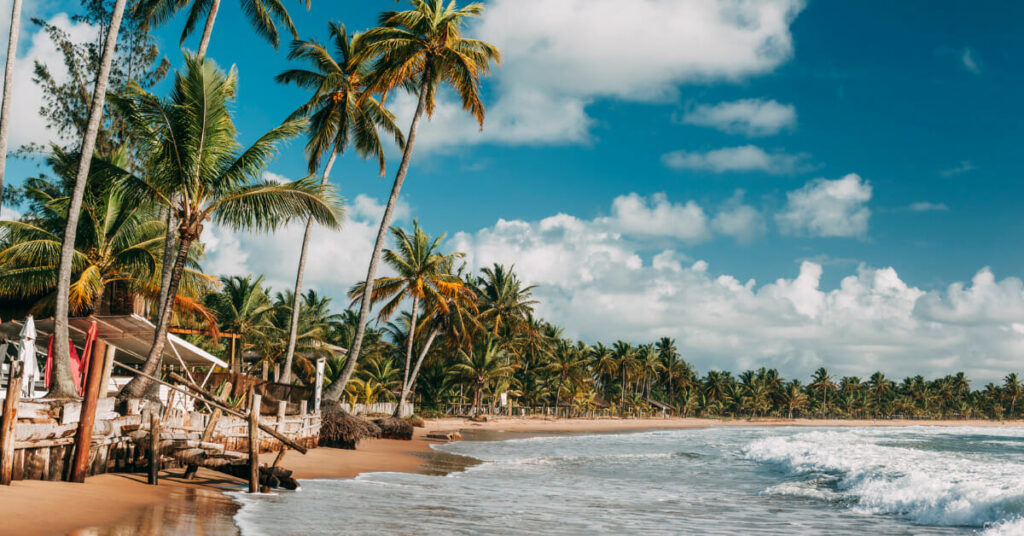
(254, 440)
(8, 421)
(154, 448)
(83, 437)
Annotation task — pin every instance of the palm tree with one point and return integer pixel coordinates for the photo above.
(422, 274)
(822, 382)
(794, 397)
(505, 304)
(343, 113)
(201, 173)
(243, 308)
(263, 15)
(1013, 389)
(5, 108)
(880, 386)
(565, 363)
(62, 384)
(486, 363)
(422, 47)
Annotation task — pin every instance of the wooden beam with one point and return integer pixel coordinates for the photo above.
(212, 400)
(254, 442)
(189, 331)
(83, 438)
(10, 419)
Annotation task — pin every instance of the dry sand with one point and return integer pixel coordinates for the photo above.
(125, 504)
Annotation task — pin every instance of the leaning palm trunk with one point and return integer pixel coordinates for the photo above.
(293, 329)
(410, 342)
(5, 111)
(136, 388)
(63, 385)
(411, 382)
(336, 389)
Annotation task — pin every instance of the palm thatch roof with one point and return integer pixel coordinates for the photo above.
(340, 429)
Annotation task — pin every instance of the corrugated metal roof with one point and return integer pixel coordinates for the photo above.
(132, 335)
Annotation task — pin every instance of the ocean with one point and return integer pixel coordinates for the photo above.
(726, 480)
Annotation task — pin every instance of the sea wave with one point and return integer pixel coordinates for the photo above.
(928, 487)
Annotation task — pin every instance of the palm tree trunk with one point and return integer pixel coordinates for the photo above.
(204, 43)
(62, 385)
(416, 371)
(293, 329)
(408, 353)
(5, 110)
(334, 391)
(137, 387)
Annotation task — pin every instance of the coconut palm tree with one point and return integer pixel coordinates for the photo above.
(117, 243)
(505, 304)
(822, 382)
(1013, 388)
(421, 47)
(423, 273)
(62, 384)
(5, 108)
(880, 386)
(484, 364)
(263, 15)
(342, 113)
(242, 307)
(200, 172)
(564, 365)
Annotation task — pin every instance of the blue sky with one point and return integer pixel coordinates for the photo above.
(857, 160)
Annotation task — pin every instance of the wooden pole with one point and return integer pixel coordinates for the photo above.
(211, 426)
(154, 448)
(254, 443)
(212, 400)
(83, 437)
(233, 365)
(321, 363)
(108, 368)
(7, 425)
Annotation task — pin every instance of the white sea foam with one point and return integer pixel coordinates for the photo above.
(929, 486)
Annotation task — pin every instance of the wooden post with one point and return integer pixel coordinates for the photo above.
(320, 364)
(108, 368)
(154, 447)
(10, 419)
(83, 438)
(233, 364)
(211, 426)
(282, 408)
(254, 444)
(303, 407)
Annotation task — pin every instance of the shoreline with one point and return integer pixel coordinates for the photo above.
(116, 502)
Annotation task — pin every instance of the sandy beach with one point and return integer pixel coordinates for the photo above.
(113, 504)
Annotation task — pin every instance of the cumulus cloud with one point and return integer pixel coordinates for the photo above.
(549, 75)
(634, 215)
(603, 288)
(336, 260)
(965, 166)
(750, 117)
(26, 124)
(825, 207)
(740, 221)
(741, 159)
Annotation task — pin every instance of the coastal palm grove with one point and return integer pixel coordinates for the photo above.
(423, 327)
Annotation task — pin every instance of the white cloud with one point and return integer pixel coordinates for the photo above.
(969, 59)
(741, 159)
(751, 117)
(26, 124)
(965, 166)
(550, 75)
(337, 259)
(601, 288)
(927, 206)
(633, 215)
(740, 221)
(827, 208)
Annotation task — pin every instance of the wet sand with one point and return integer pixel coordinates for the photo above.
(123, 504)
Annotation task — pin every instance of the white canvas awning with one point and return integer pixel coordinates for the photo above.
(132, 335)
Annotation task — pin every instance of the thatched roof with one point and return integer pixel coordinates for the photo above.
(342, 430)
(395, 428)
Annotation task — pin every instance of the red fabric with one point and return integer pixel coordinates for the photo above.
(78, 365)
